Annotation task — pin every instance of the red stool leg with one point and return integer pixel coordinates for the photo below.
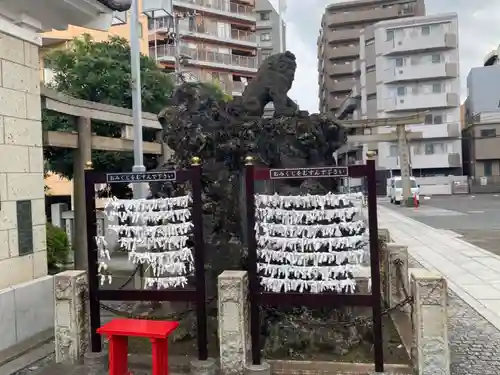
(160, 356)
(118, 355)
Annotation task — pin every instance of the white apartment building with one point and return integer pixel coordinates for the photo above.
(411, 65)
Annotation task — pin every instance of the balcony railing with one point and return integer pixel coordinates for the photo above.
(239, 9)
(165, 23)
(206, 56)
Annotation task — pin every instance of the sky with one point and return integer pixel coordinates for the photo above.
(479, 33)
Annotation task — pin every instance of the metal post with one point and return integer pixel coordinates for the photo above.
(253, 277)
(404, 161)
(199, 252)
(92, 261)
(135, 62)
(378, 347)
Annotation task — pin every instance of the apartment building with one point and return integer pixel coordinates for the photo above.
(480, 136)
(481, 146)
(217, 41)
(338, 43)
(412, 65)
(269, 38)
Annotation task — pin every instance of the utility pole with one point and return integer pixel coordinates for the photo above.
(139, 189)
(281, 10)
(404, 164)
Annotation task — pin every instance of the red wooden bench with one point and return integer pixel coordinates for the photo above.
(119, 330)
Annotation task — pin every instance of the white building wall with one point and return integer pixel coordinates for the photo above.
(417, 69)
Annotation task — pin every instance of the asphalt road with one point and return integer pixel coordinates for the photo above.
(475, 217)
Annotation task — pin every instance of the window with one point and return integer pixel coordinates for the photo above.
(426, 30)
(369, 42)
(370, 68)
(139, 30)
(390, 35)
(488, 133)
(415, 60)
(265, 16)
(417, 149)
(393, 150)
(440, 148)
(433, 119)
(488, 168)
(400, 61)
(436, 58)
(415, 90)
(429, 149)
(401, 90)
(437, 87)
(265, 37)
(438, 119)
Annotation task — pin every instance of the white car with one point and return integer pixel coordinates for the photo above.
(395, 189)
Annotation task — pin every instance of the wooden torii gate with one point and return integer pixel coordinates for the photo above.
(83, 141)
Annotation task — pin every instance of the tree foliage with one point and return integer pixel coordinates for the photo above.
(101, 72)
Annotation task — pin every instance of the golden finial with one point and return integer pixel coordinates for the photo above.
(88, 165)
(371, 154)
(195, 160)
(249, 160)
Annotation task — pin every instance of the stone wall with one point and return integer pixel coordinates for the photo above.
(26, 292)
(21, 164)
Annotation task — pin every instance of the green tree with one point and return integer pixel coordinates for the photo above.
(101, 72)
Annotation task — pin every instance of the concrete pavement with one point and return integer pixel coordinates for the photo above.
(473, 304)
(472, 273)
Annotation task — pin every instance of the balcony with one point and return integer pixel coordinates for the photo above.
(367, 16)
(264, 24)
(345, 85)
(343, 35)
(434, 41)
(424, 101)
(222, 9)
(205, 32)
(448, 130)
(200, 57)
(339, 69)
(335, 103)
(451, 160)
(343, 52)
(419, 72)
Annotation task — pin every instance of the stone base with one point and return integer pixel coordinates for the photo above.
(207, 367)
(262, 369)
(96, 363)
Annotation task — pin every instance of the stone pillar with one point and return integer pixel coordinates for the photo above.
(395, 284)
(82, 155)
(384, 234)
(234, 322)
(71, 316)
(430, 349)
(23, 255)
